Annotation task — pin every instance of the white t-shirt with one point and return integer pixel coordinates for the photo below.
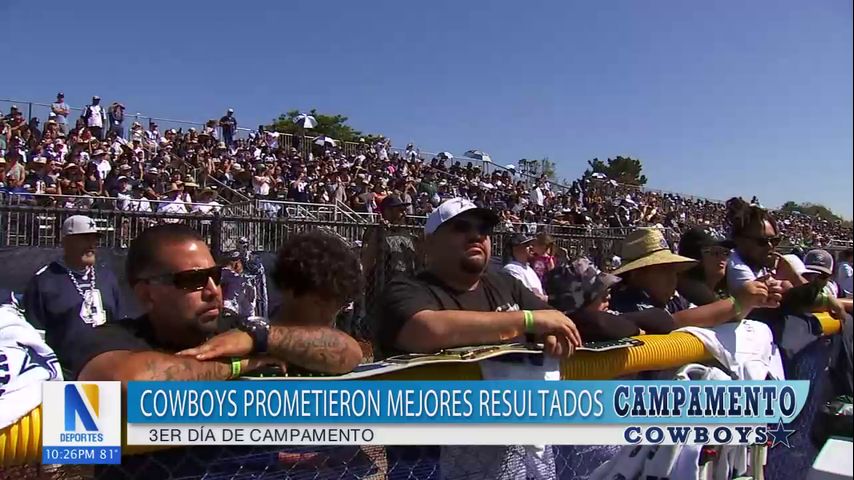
(104, 167)
(96, 118)
(526, 275)
(844, 279)
(261, 187)
(738, 272)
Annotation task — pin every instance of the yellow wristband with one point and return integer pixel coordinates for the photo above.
(529, 321)
(235, 367)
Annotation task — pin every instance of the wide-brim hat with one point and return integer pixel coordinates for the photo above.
(646, 247)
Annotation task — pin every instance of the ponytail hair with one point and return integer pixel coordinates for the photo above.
(742, 218)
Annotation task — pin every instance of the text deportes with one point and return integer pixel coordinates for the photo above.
(308, 403)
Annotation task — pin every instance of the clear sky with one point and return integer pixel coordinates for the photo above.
(717, 98)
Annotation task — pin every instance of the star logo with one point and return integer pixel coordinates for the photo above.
(92, 224)
(34, 359)
(780, 435)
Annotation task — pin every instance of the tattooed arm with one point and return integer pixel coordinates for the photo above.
(321, 349)
(126, 366)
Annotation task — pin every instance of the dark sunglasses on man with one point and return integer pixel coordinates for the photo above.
(468, 225)
(191, 280)
(765, 241)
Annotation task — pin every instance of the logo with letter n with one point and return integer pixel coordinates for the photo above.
(84, 407)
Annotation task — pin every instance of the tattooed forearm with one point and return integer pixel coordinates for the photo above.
(158, 366)
(321, 349)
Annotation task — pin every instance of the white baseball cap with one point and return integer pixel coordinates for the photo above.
(78, 225)
(453, 207)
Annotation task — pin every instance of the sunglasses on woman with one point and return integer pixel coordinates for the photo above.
(191, 280)
(716, 251)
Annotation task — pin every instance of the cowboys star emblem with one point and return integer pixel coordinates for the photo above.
(91, 224)
(780, 435)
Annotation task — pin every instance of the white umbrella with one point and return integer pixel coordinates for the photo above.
(600, 176)
(325, 141)
(445, 155)
(305, 121)
(478, 155)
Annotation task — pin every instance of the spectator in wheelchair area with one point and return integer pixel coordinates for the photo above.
(182, 335)
(650, 273)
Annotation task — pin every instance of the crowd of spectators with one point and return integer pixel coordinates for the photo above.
(92, 159)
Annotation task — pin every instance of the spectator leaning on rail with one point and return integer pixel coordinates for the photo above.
(754, 231)
(581, 291)
(705, 282)
(818, 269)
(176, 282)
(318, 274)
(456, 302)
(650, 275)
(73, 295)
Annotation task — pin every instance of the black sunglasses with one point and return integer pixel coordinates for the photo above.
(467, 226)
(192, 280)
(764, 241)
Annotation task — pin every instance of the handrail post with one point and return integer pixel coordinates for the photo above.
(216, 234)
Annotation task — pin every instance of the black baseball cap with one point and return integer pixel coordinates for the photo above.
(696, 239)
(520, 239)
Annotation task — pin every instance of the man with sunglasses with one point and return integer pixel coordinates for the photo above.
(177, 283)
(456, 302)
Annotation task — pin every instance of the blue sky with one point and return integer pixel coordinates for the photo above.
(717, 98)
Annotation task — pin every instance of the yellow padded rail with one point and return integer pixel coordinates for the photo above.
(20, 443)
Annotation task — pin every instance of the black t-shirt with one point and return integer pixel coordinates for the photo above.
(403, 297)
(695, 290)
(133, 334)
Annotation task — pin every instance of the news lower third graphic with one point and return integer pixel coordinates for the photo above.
(463, 412)
(81, 423)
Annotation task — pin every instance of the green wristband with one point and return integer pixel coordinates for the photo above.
(529, 321)
(235, 367)
(737, 305)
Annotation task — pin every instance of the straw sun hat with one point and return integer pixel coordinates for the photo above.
(646, 247)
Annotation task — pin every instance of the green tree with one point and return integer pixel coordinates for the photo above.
(625, 170)
(811, 209)
(334, 126)
(543, 166)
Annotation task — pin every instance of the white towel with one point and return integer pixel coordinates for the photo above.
(660, 461)
(539, 463)
(25, 362)
(746, 348)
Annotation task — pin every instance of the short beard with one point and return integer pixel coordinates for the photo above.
(472, 266)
